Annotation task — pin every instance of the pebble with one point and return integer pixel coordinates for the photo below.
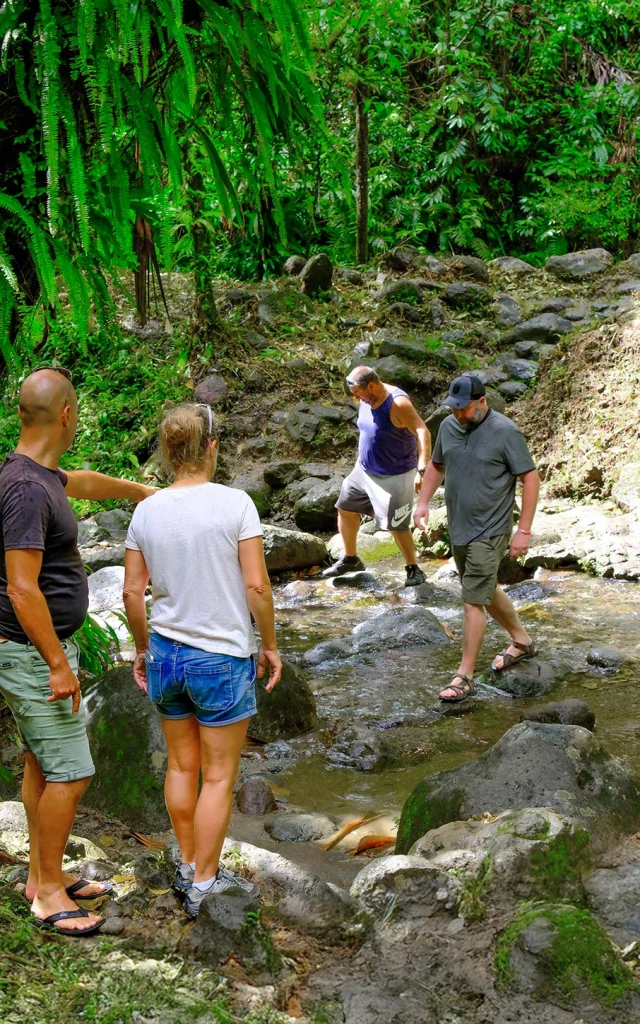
(113, 926)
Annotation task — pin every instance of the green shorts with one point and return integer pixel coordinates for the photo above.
(51, 732)
(478, 564)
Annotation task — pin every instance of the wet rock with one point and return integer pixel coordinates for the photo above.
(317, 275)
(360, 580)
(527, 349)
(525, 679)
(257, 489)
(256, 797)
(462, 295)
(128, 750)
(301, 426)
(294, 265)
(605, 656)
(400, 291)
(469, 266)
(372, 547)
(148, 868)
(288, 711)
(115, 521)
(411, 884)
(509, 312)
(287, 304)
(430, 594)
(562, 712)
(315, 510)
(211, 390)
(513, 390)
(228, 924)
(393, 370)
(562, 767)
(520, 369)
(300, 828)
(412, 350)
(282, 472)
(298, 897)
(434, 541)
(397, 628)
(290, 549)
(363, 748)
(626, 490)
(614, 897)
(576, 266)
(105, 589)
(321, 470)
(512, 265)
(545, 327)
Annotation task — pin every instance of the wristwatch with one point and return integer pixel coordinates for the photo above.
(422, 471)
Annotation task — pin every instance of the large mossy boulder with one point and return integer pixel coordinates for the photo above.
(292, 549)
(128, 750)
(256, 487)
(563, 767)
(288, 711)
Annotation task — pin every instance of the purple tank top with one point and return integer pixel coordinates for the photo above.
(385, 450)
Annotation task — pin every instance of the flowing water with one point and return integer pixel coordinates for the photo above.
(574, 613)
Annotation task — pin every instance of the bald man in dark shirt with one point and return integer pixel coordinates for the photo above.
(43, 601)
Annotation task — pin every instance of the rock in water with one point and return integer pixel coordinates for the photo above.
(525, 679)
(562, 712)
(300, 828)
(290, 549)
(255, 796)
(400, 627)
(317, 275)
(575, 266)
(562, 767)
(128, 749)
(288, 711)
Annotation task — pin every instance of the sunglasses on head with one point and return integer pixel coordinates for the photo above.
(351, 383)
(58, 369)
(203, 405)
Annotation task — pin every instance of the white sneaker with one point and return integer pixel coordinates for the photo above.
(223, 882)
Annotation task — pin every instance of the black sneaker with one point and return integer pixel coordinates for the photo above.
(343, 565)
(415, 576)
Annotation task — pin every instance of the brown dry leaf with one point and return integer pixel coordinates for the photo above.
(351, 827)
(189, 384)
(148, 841)
(371, 843)
(293, 1008)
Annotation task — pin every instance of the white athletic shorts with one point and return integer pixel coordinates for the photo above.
(389, 499)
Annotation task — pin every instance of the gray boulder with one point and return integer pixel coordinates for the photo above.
(404, 290)
(405, 311)
(525, 679)
(614, 897)
(628, 287)
(363, 748)
(412, 350)
(431, 265)
(317, 275)
(447, 358)
(606, 657)
(556, 304)
(545, 327)
(626, 490)
(288, 711)
(300, 828)
(576, 266)
(320, 470)
(351, 276)
(115, 521)
(401, 258)
(562, 767)
(301, 426)
(562, 712)
(411, 885)
(228, 924)
(290, 549)
(256, 487)
(509, 312)
(361, 350)
(513, 390)
(105, 589)
(255, 797)
(102, 555)
(90, 533)
(315, 510)
(256, 341)
(282, 472)
(128, 750)
(397, 628)
(520, 369)
(394, 370)
(211, 390)
(511, 265)
(294, 265)
(462, 295)
(527, 349)
(470, 267)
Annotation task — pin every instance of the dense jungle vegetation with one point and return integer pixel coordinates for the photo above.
(217, 137)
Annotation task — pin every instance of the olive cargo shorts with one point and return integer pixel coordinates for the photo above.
(478, 564)
(55, 736)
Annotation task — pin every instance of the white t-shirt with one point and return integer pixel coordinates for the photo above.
(189, 539)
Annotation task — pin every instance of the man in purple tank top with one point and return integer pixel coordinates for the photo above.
(393, 452)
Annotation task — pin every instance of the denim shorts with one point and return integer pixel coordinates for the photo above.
(50, 731)
(184, 681)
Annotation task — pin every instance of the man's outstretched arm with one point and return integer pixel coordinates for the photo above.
(84, 483)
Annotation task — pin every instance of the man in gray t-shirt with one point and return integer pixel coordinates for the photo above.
(480, 453)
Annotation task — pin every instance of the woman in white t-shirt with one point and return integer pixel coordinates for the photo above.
(201, 544)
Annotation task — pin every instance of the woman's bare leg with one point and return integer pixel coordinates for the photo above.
(181, 782)
(221, 747)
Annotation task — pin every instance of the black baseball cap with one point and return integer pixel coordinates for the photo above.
(463, 390)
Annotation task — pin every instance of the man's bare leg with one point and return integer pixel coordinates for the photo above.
(53, 820)
(502, 610)
(404, 540)
(348, 526)
(475, 624)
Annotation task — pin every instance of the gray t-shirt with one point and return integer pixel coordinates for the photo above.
(189, 539)
(480, 470)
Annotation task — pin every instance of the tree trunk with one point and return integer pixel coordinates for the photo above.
(362, 159)
(206, 318)
(143, 246)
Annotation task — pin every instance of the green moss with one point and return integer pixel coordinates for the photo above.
(558, 867)
(471, 902)
(255, 931)
(580, 955)
(424, 810)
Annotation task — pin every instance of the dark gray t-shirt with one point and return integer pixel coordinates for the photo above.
(36, 515)
(480, 470)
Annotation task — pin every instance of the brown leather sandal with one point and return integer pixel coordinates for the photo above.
(528, 651)
(462, 692)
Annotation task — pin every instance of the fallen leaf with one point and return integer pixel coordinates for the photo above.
(371, 843)
(122, 878)
(589, 686)
(159, 892)
(351, 827)
(189, 384)
(293, 1008)
(105, 840)
(148, 841)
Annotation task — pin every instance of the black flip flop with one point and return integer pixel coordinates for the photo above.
(72, 891)
(48, 924)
